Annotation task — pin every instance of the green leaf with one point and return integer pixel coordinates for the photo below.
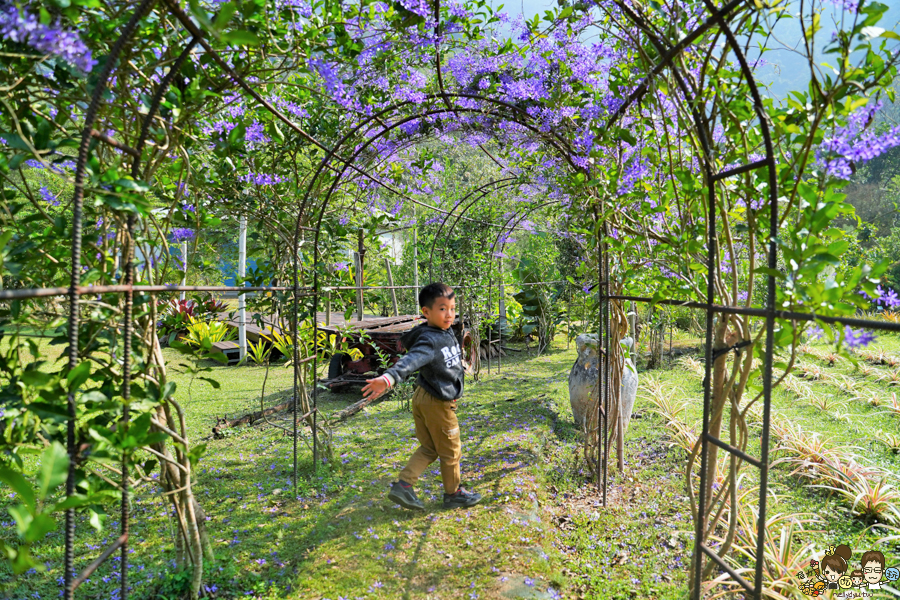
(54, 468)
(767, 271)
(47, 411)
(226, 11)
(78, 375)
(240, 38)
(211, 382)
(73, 501)
(37, 379)
(19, 485)
(40, 526)
(97, 519)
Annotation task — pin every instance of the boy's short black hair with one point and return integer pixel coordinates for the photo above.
(432, 292)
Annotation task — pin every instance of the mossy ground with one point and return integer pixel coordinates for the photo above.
(540, 532)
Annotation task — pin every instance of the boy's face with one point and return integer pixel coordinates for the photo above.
(441, 314)
(872, 571)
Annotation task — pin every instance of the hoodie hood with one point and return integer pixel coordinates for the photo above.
(408, 339)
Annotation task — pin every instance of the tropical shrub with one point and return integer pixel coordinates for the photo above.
(203, 335)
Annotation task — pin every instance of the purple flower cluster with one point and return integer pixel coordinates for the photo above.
(182, 234)
(262, 178)
(48, 196)
(25, 28)
(855, 144)
(857, 338)
(888, 299)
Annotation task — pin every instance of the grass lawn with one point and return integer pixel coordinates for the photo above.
(540, 532)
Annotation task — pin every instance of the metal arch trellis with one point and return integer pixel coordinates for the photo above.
(769, 313)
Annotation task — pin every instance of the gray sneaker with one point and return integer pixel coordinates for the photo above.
(405, 497)
(461, 499)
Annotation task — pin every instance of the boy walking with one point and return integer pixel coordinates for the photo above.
(433, 351)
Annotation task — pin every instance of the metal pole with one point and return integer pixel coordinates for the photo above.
(416, 258)
(390, 276)
(242, 301)
(360, 265)
(184, 247)
(327, 308)
(502, 319)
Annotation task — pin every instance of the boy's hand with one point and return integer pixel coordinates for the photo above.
(374, 388)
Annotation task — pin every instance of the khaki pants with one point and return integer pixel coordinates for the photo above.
(438, 433)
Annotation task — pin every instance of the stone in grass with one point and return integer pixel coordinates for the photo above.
(584, 391)
(513, 586)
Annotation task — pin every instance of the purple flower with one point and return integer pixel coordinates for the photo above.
(857, 338)
(814, 332)
(52, 39)
(262, 178)
(48, 197)
(854, 144)
(888, 298)
(255, 134)
(182, 234)
(341, 266)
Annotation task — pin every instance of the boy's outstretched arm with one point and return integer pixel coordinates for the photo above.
(418, 356)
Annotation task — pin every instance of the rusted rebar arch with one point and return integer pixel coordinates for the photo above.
(669, 54)
(491, 186)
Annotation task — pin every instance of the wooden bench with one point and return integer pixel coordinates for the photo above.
(231, 350)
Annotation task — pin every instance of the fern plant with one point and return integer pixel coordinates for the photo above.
(259, 352)
(203, 335)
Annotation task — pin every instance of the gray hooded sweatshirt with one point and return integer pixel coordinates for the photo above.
(436, 355)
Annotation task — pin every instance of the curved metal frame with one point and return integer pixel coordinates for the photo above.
(668, 53)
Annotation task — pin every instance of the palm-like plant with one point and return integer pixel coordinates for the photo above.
(203, 335)
(259, 352)
(890, 377)
(865, 369)
(870, 398)
(845, 383)
(825, 402)
(692, 364)
(891, 316)
(893, 405)
(783, 561)
(809, 371)
(683, 435)
(283, 343)
(891, 440)
(665, 404)
(869, 495)
(806, 450)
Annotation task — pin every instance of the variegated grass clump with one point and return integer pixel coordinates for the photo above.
(865, 489)
(877, 357)
(891, 440)
(692, 364)
(667, 406)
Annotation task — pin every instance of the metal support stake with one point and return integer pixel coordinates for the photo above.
(387, 265)
(242, 300)
(360, 279)
(327, 308)
(416, 260)
(184, 247)
(502, 320)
